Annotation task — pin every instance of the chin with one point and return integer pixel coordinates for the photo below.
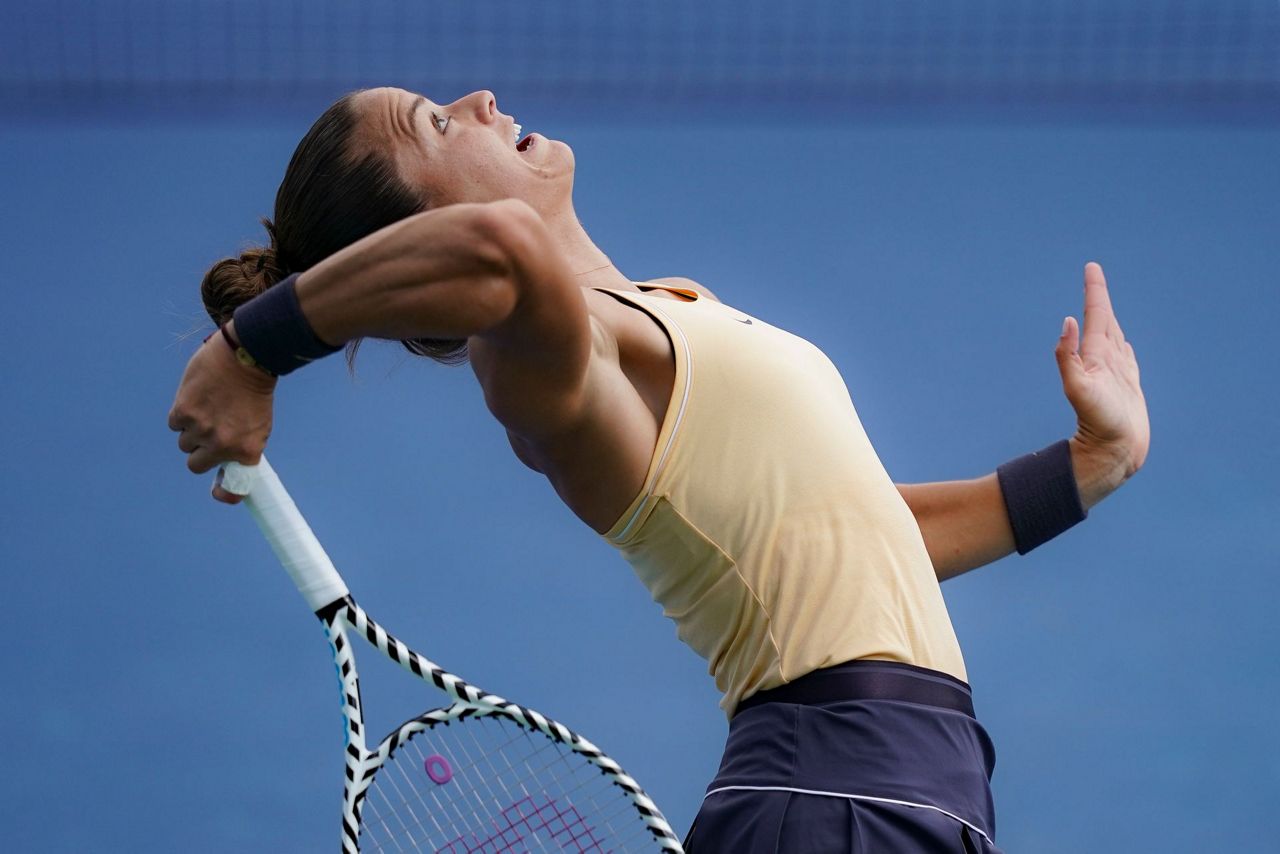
(560, 153)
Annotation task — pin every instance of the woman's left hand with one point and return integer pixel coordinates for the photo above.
(1100, 378)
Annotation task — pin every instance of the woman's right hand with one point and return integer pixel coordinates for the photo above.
(222, 411)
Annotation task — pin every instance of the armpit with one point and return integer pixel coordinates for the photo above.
(523, 452)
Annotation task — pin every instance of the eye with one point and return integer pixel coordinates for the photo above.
(440, 122)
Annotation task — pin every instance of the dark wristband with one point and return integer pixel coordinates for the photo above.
(273, 330)
(241, 354)
(1041, 495)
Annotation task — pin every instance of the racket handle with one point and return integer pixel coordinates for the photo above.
(288, 533)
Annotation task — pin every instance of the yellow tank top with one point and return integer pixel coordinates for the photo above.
(767, 529)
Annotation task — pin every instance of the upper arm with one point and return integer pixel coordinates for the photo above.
(533, 364)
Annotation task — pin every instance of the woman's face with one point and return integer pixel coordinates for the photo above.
(465, 151)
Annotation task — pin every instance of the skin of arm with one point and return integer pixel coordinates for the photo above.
(965, 524)
(485, 272)
(453, 272)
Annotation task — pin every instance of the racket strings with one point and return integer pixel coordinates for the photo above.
(417, 789)
(558, 755)
(623, 806)
(497, 787)
(441, 807)
(480, 809)
(403, 805)
(459, 817)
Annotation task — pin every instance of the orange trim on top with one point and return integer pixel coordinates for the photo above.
(693, 295)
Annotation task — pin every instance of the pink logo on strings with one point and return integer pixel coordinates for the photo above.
(565, 826)
(437, 768)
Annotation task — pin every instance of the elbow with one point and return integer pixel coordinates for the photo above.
(531, 269)
(499, 237)
(509, 233)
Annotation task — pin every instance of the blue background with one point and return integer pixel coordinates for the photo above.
(170, 691)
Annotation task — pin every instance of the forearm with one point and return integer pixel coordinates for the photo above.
(965, 523)
(446, 273)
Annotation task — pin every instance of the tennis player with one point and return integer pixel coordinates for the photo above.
(720, 454)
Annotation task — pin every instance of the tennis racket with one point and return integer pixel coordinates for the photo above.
(480, 774)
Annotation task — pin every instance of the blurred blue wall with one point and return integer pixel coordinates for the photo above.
(1131, 60)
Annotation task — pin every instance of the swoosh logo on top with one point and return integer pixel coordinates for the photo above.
(740, 320)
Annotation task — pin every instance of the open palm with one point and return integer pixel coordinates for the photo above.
(1100, 378)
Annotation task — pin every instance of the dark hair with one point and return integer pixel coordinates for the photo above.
(328, 200)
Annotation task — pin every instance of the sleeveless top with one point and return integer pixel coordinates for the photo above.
(767, 529)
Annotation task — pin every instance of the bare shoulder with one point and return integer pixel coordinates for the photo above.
(680, 282)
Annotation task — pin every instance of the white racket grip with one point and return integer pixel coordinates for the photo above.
(288, 533)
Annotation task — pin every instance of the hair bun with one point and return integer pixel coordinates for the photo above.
(232, 282)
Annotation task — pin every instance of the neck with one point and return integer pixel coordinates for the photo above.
(591, 267)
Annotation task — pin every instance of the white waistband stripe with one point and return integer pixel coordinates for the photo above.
(967, 824)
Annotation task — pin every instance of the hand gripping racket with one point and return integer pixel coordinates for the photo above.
(479, 775)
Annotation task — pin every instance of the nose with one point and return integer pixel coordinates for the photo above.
(482, 104)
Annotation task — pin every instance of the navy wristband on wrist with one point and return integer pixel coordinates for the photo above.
(1041, 495)
(273, 330)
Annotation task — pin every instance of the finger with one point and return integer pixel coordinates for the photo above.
(1070, 334)
(187, 442)
(226, 497)
(1069, 362)
(178, 421)
(203, 459)
(1099, 317)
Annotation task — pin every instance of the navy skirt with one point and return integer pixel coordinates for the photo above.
(866, 756)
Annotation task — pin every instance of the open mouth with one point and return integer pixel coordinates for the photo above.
(525, 144)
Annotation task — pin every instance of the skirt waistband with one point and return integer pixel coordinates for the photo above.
(867, 679)
(838, 732)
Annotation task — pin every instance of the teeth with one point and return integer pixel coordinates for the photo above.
(516, 128)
